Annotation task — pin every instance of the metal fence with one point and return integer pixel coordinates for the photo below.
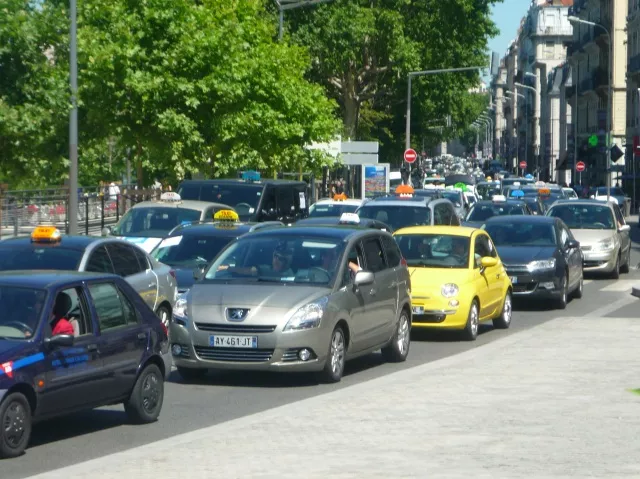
(22, 210)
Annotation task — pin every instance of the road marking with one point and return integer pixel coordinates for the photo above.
(620, 286)
(610, 308)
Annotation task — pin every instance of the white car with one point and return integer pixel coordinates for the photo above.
(570, 193)
(337, 206)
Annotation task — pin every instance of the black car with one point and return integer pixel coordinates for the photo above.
(535, 205)
(483, 210)
(340, 220)
(112, 349)
(190, 248)
(541, 256)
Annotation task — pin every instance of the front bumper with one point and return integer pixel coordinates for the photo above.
(275, 351)
(544, 284)
(600, 261)
(429, 312)
(166, 359)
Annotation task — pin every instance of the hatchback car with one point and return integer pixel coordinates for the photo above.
(118, 352)
(48, 249)
(602, 231)
(541, 256)
(296, 299)
(499, 206)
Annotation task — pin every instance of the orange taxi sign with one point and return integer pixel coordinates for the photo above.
(544, 191)
(45, 234)
(340, 197)
(226, 215)
(404, 190)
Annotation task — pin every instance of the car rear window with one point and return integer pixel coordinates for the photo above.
(40, 257)
(397, 216)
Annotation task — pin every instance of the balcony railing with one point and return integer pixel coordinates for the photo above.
(634, 64)
(556, 30)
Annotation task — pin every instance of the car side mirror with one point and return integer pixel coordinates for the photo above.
(107, 230)
(198, 273)
(59, 341)
(572, 244)
(624, 228)
(488, 262)
(363, 278)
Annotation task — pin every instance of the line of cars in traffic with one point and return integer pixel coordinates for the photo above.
(274, 292)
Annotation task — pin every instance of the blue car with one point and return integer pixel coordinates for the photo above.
(109, 348)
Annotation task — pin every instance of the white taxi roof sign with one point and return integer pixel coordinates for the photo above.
(499, 198)
(226, 215)
(46, 234)
(350, 218)
(540, 184)
(170, 196)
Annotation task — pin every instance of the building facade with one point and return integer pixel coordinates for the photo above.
(633, 90)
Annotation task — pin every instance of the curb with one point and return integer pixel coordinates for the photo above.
(635, 291)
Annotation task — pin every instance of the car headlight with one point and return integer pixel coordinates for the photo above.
(180, 308)
(604, 245)
(308, 316)
(541, 265)
(449, 290)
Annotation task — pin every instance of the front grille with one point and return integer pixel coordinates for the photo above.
(234, 328)
(234, 355)
(427, 318)
(516, 268)
(585, 248)
(524, 288)
(290, 355)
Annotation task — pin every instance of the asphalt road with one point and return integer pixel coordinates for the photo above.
(222, 397)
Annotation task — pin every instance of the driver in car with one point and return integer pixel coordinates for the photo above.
(459, 251)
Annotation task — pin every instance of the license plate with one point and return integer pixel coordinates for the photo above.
(514, 280)
(418, 310)
(216, 341)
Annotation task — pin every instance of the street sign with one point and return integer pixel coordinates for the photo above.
(410, 155)
(580, 166)
(523, 164)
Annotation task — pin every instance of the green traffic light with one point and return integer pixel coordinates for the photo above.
(593, 140)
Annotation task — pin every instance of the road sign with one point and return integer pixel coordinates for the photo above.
(580, 166)
(410, 155)
(523, 164)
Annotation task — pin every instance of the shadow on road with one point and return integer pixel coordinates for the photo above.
(79, 424)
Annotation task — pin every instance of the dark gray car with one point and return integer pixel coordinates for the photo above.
(296, 299)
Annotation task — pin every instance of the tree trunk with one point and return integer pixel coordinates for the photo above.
(139, 172)
(351, 107)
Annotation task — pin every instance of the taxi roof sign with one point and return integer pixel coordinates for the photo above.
(349, 219)
(461, 186)
(517, 193)
(170, 196)
(46, 234)
(340, 197)
(226, 215)
(544, 191)
(540, 184)
(251, 175)
(405, 190)
(499, 198)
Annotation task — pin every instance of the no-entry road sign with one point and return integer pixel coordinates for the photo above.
(410, 155)
(523, 164)
(580, 166)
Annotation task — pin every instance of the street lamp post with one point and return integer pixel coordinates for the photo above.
(526, 130)
(72, 212)
(291, 5)
(574, 19)
(492, 131)
(535, 100)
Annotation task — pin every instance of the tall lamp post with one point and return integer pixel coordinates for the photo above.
(574, 19)
(526, 131)
(535, 100)
(291, 5)
(73, 120)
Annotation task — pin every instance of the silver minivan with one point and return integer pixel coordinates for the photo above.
(296, 299)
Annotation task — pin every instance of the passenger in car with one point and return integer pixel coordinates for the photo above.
(59, 323)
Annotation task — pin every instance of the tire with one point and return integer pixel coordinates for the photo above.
(145, 403)
(164, 314)
(615, 272)
(191, 374)
(470, 332)
(398, 348)
(627, 263)
(334, 366)
(15, 411)
(580, 289)
(561, 303)
(504, 320)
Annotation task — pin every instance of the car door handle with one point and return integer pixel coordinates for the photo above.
(142, 336)
(93, 348)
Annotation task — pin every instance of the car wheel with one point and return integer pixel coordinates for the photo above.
(627, 263)
(163, 313)
(398, 349)
(561, 303)
(473, 322)
(504, 320)
(615, 274)
(334, 366)
(580, 289)
(15, 425)
(145, 403)
(191, 374)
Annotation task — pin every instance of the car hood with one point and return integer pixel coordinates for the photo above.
(591, 237)
(428, 280)
(209, 300)
(524, 254)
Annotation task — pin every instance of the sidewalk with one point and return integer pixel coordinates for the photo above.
(552, 401)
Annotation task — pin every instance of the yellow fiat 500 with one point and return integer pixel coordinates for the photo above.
(457, 278)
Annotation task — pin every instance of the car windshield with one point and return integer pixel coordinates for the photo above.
(243, 197)
(548, 200)
(532, 202)
(154, 221)
(50, 256)
(482, 212)
(434, 251)
(602, 191)
(330, 209)
(487, 191)
(521, 234)
(454, 196)
(279, 259)
(584, 217)
(190, 251)
(397, 216)
(21, 311)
